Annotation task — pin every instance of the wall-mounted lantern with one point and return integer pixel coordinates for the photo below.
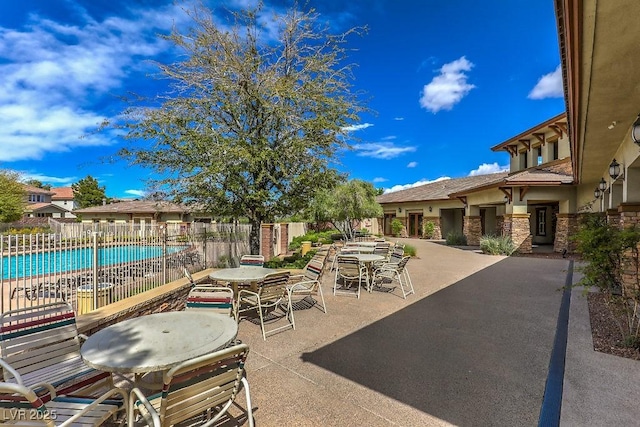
(614, 169)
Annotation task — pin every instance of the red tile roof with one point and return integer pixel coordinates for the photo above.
(62, 193)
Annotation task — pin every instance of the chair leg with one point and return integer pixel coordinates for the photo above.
(324, 305)
(248, 399)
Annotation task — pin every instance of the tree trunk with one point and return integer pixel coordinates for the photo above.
(254, 237)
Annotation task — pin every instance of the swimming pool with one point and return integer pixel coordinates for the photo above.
(65, 260)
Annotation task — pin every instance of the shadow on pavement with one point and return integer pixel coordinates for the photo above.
(474, 353)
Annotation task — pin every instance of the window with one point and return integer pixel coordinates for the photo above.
(524, 159)
(555, 150)
(539, 151)
(541, 221)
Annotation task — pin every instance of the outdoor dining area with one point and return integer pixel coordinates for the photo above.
(184, 365)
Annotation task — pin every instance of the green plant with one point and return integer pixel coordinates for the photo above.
(497, 245)
(456, 238)
(428, 229)
(396, 227)
(608, 251)
(409, 250)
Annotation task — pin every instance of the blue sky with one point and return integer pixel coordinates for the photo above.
(446, 79)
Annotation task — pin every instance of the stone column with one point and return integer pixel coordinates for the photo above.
(266, 241)
(437, 229)
(630, 217)
(566, 226)
(520, 231)
(284, 238)
(472, 229)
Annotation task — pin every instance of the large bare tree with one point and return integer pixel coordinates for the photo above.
(254, 118)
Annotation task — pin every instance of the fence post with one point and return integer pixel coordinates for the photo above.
(95, 270)
(163, 236)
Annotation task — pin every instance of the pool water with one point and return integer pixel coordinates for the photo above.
(24, 265)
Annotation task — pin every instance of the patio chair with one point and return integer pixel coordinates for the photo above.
(272, 294)
(391, 272)
(207, 385)
(217, 299)
(348, 271)
(42, 344)
(252, 260)
(20, 405)
(306, 285)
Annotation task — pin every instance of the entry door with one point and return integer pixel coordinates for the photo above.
(415, 225)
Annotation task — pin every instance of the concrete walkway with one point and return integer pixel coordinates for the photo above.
(472, 347)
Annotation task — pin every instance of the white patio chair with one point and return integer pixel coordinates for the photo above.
(306, 285)
(203, 387)
(392, 272)
(348, 271)
(217, 299)
(272, 294)
(23, 335)
(20, 405)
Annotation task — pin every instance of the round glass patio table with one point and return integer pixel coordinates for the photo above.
(157, 342)
(242, 274)
(368, 260)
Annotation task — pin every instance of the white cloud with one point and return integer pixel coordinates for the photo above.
(356, 127)
(412, 164)
(415, 184)
(548, 86)
(381, 150)
(137, 193)
(487, 168)
(398, 118)
(53, 72)
(448, 88)
(380, 179)
(46, 179)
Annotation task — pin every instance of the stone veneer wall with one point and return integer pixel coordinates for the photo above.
(437, 230)
(630, 217)
(284, 238)
(473, 229)
(566, 226)
(519, 228)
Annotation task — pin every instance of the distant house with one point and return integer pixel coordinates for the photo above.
(63, 197)
(136, 212)
(40, 205)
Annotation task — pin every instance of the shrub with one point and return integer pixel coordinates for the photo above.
(324, 237)
(456, 238)
(409, 250)
(428, 228)
(295, 261)
(396, 227)
(497, 245)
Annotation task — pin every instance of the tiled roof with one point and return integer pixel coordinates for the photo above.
(135, 206)
(30, 189)
(62, 193)
(440, 190)
(32, 207)
(557, 172)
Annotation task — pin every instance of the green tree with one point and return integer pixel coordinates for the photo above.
(254, 117)
(38, 184)
(346, 204)
(87, 192)
(12, 197)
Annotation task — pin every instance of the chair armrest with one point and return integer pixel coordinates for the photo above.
(306, 285)
(8, 368)
(136, 394)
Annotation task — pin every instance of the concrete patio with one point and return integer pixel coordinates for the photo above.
(472, 347)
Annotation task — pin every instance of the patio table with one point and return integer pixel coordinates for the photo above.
(368, 260)
(157, 342)
(242, 274)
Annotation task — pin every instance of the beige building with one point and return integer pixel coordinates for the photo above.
(529, 203)
(584, 160)
(136, 212)
(40, 205)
